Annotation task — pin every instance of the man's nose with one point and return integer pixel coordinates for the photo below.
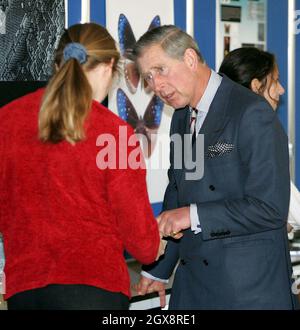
(157, 84)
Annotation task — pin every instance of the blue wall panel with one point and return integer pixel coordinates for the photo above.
(98, 12)
(277, 41)
(205, 29)
(156, 207)
(74, 12)
(180, 14)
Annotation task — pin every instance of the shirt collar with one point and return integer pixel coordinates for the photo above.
(209, 93)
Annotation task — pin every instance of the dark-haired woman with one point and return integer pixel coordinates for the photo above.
(257, 70)
(65, 220)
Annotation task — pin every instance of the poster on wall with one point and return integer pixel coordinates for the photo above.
(240, 23)
(29, 33)
(130, 97)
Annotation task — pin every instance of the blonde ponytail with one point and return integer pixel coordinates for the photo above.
(65, 105)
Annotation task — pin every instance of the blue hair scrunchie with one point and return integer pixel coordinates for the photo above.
(75, 50)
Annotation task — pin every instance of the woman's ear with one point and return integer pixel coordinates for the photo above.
(255, 85)
(111, 63)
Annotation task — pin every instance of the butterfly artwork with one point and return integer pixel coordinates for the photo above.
(147, 124)
(127, 41)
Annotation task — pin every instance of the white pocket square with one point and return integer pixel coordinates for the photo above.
(219, 149)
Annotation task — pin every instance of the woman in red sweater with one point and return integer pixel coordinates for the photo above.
(67, 212)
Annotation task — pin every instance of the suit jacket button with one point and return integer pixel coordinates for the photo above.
(205, 262)
(212, 188)
(183, 262)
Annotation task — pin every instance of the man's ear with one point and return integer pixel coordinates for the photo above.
(255, 85)
(190, 57)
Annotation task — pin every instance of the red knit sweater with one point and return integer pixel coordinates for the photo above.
(63, 220)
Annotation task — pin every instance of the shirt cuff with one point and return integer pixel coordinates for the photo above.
(145, 274)
(195, 222)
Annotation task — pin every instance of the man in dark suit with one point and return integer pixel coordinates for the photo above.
(227, 229)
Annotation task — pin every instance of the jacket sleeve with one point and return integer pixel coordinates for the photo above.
(263, 151)
(128, 196)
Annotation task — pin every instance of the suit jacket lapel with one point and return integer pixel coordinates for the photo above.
(217, 116)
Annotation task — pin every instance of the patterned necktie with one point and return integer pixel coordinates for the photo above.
(193, 124)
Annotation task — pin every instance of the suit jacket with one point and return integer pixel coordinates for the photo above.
(241, 258)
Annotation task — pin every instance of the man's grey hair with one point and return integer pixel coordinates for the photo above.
(172, 40)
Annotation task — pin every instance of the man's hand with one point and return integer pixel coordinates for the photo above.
(146, 285)
(289, 228)
(162, 247)
(172, 222)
